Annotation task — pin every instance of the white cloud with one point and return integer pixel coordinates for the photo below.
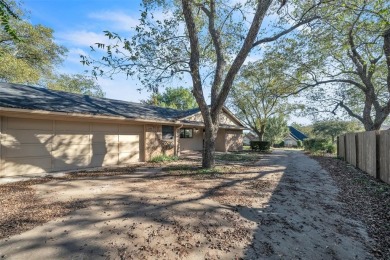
(118, 20)
(82, 38)
(74, 55)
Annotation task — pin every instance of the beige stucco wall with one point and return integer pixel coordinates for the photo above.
(220, 144)
(227, 140)
(193, 144)
(34, 145)
(234, 140)
(154, 145)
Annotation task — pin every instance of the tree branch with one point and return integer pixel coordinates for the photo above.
(292, 28)
(261, 9)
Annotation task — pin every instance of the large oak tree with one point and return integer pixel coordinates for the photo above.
(344, 64)
(209, 40)
(259, 93)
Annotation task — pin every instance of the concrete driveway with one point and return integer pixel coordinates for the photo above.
(282, 207)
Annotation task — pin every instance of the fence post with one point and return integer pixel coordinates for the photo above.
(338, 146)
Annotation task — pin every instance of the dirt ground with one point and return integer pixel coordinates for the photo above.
(283, 207)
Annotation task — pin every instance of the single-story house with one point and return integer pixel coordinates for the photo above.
(43, 130)
(248, 137)
(294, 135)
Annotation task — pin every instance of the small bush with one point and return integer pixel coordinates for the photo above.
(299, 144)
(317, 145)
(260, 145)
(164, 158)
(281, 144)
(331, 148)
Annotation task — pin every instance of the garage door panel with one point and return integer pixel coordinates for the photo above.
(71, 126)
(104, 159)
(24, 166)
(126, 158)
(129, 147)
(65, 163)
(24, 123)
(68, 139)
(103, 148)
(129, 138)
(25, 150)
(104, 138)
(104, 128)
(30, 146)
(26, 136)
(70, 151)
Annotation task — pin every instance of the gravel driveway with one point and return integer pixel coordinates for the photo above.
(283, 207)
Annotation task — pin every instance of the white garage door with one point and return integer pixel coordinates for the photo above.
(35, 146)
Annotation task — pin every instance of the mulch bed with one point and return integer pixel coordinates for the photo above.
(21, 209)
(366, 198)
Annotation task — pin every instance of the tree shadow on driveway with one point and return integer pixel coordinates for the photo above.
(281, 210)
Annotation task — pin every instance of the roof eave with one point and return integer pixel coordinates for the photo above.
(5, 111)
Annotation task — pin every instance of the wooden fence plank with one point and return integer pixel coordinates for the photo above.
(370, 152)
(341, 147)
(384, 159)
(351, 148)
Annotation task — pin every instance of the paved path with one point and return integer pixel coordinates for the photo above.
(147, 217)
(303, 219)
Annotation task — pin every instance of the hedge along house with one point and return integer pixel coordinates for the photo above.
(47, 131)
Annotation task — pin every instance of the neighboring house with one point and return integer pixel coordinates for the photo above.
(248, 137)
(293, 136)
(46, 131)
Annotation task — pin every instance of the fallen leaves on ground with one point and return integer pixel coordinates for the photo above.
(365, 198)
(21, 208)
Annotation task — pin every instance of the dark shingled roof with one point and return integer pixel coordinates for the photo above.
(37, 98)
(297, 134)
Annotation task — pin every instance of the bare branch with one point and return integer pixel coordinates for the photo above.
(292, 28)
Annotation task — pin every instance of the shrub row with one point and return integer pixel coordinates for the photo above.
(260, 145)
(319, 145)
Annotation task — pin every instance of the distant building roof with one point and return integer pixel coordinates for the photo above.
(298, 135)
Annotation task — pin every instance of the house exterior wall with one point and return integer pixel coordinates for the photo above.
(155, 145)
(32, 146)
(192, 144)
(289, 141)
(220, 142)
(233, 140)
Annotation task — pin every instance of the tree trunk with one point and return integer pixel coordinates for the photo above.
(260, 133)
(208, 158)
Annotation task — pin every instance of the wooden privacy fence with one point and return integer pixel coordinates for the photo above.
(368, 151)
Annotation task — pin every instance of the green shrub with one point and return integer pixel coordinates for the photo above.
(331, 148)
(164, 158)
(299, 144)
(281, 144)
(317, 145)
(260, 145)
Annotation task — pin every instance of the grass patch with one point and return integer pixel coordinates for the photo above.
(196, 170)
(238, 157)
(164, 158)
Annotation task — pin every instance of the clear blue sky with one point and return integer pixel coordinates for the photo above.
(78, 24)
